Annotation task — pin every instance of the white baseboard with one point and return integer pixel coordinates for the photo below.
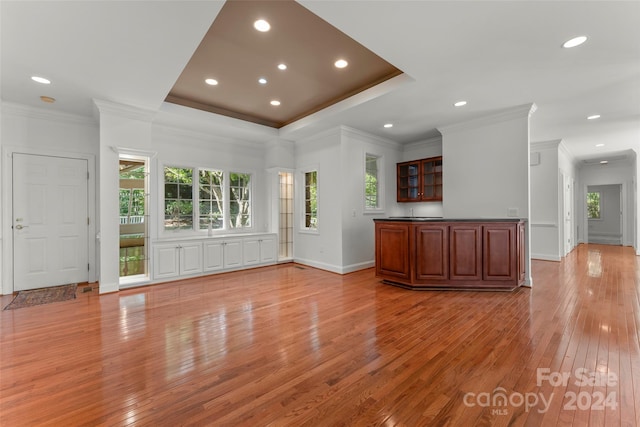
(106, 288)
(546, 257)
(336, 268)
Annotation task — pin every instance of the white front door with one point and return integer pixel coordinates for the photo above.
(50, 221)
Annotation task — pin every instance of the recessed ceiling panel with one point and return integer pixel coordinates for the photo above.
(237, 55)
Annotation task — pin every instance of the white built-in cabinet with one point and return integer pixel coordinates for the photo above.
(222, 254)
(177, 259)
(192, 257)
(259, 250)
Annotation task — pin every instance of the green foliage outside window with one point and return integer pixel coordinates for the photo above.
(211, 199)
(593, 205)
(240, 200)
(371, 182)
(178, 198)
(311, 200)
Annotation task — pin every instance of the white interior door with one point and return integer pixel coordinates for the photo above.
(50, 221)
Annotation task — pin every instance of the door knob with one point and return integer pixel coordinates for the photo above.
(20, 226)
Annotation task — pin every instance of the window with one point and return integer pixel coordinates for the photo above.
(178, 198)
(240, 200)
(211, 199)
(212, 207)
(286, 215)
(594, 208)
(371, 182)
(311, 200)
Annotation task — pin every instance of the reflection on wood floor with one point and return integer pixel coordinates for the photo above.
(292, 345)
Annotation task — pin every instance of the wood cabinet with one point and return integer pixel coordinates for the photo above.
(420, 180)
(456, 254)
(392, 254)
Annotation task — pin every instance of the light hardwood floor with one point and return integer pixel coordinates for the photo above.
(294, 346)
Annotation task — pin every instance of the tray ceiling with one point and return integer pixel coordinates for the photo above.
(237, 55)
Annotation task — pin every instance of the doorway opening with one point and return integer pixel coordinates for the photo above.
(134, 218)
(604, 214)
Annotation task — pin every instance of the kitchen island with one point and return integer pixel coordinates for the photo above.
(440, 253)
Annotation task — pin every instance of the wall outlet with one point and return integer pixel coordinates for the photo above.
(512, 212)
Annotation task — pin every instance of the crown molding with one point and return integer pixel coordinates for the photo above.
(125, 111)
(435, 142)
(203, 137)
(335, 131)
(371, 138)
(45, 114)
(545, 145)
(517, 112)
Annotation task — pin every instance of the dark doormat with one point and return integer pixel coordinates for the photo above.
(34, 297)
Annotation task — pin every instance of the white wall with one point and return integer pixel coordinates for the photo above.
(41, 131)
(130, 130)
(486, 169)
(358, 232)
(615, 172)
(322, 249)
(545, 201)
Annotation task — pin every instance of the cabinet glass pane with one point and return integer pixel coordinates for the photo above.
(428, 192)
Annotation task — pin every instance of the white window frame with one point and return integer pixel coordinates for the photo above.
(380, 188)
(195, 228)
(301, 196)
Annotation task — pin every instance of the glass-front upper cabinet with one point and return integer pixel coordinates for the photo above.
(420, 180)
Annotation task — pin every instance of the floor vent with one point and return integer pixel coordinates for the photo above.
(87, 289)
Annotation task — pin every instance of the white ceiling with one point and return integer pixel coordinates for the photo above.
(495, 55)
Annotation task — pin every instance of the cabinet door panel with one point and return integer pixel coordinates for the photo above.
(213, 256)
(432, 252)
(500, 261)
(232, 253)
(191, 258)
(465, 252)
(268, 249)
(165, 261)
(392, 250)
(251, 251)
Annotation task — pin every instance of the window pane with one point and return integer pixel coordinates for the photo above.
(211, 199)
(371, 182)
(178, 198)
(311, 200)
(593, 205)
(239, 200)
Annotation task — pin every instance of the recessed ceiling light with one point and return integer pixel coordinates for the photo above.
(282, 66)
(212, 82)
(47, 99)
(460, 103)
(340, 63)
(41, 80)
(599, 145)
(576, 41)
(388, 125)
(275, 102)
(262, 25)
(604, 162)
(595, 116)
(262, 81)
